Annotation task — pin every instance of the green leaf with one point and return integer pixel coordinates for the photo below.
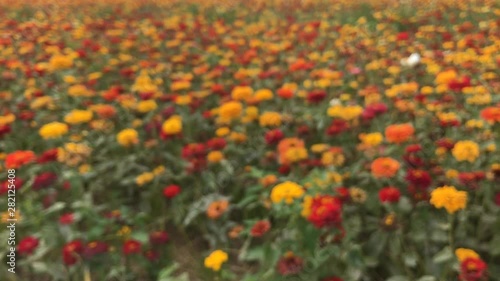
(427, 278)
(398, 278)
(444, 255)
(495, 245)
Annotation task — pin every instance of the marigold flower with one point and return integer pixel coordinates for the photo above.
(449, 198)
(384, 167)
(215, 156)
(146, 106)
(53, 130)
(466, 151)
(286, 191)
(371, 139)
(491, 114)
(241, 92)
(127, 137)
(215, 260)
(60, 61)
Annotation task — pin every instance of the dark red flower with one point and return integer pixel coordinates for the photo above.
(343, 193)
(338, 126)
(260, 228)
(402, 36)
(497, 199)
(27, 245)
(216, 143)
(94, 248)
(274, 136)
(4, 129)
(290, 264)
(48, 156)
(158, 237)
(171, 191)
(284, 169)
(389, 194)
(418, 178)
(131, 247)
(71, 252)
(316, 96)
(44, 180)
(4, 186)
(152, 255)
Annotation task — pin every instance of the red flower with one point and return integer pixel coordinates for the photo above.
(497, 199)
(419, 178)
(27, 245)
(71, 252)
(158, 237)
(131, 247)
(151, 255)
(338, 126)
(171, 191)
(95, 248)
(44, 180)
(217, 143)
(326, 211)
(284, 169)
(66, 218)
(402, 36)
(4, 129)
(316, 96)
(389, 194)
(48, 156)
(4, 186)
(343, 193)
(290, 264)
(19, 158)
(274, 136)
(260, 228)
(472, 269)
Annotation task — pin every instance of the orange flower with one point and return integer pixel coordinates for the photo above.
(217, 209)
(399, 133)
(491, 114)
(285, 145)
(19, 158)
(384, 167)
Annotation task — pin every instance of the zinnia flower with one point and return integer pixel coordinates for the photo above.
(215, 260)
(399, 133)
(384, 167)
(19, 158)
(286, 191)
(53, 130)
(466, 151)
(127, 137)
(449, 198)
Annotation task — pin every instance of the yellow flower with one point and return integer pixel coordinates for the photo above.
(230, 110)
(463, 254)
(241, 92)
(159, 170)
(295, 154)
(451, 174)
(183, 100)
(357, 195)
(79, 91)
(215, 260)
(449, 198)
(319, 148)
(172, 125)
(78, 116)
(270, 119)
(146, 106)
(127, 137)
(53, 130)
(263, 95)
(306, 206)
(60, 62)
(215, 156)
(286, 191)
(466, 151)
(144, 178)
(371, 139)
(347, 113)
(238, 137)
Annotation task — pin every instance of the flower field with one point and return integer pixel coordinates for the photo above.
(250, 140)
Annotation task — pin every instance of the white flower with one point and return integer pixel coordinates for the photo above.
(411, 61)
(334, 102)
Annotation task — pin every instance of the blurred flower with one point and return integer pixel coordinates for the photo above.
(215, 260)
(173, 125)
(389, 194)
(53, 130)
(286, 191)
(127, 137)
(290, 264)
(215, 156)
(260, 228)
(325, 211)
(71, 252)
(270, 119)
(27, 245)
(449, 198)
(399, 133)
(19, 158)
(217, 208)
(78, 116)
(466, 151)
(384, 167)
(131, 247)
(158, 237)
(171, 191)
